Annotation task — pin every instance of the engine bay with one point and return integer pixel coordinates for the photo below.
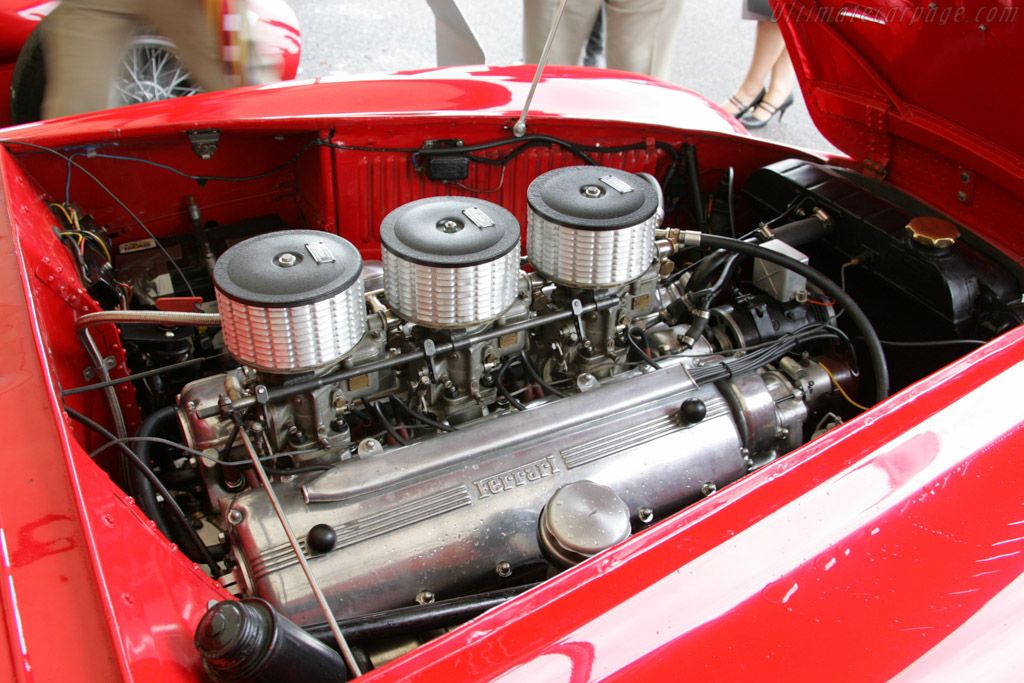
(466, 366)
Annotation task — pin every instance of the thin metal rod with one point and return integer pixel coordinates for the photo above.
(278, 393)
(346, 653)
(519, 130)
(110, 392)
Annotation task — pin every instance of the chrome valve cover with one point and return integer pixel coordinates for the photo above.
(445, 513)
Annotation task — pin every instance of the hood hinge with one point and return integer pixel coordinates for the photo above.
(879, 153)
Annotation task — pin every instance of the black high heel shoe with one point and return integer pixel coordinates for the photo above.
(750, 122)
(743, 106)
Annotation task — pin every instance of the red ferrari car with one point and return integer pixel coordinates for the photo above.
(362, 378)
(151, 71)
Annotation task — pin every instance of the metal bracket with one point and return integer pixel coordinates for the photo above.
(879, 140)
(430, 350)
(89, 373)
(965, 193)
(204, 142)
(577, 311)
(64, 281)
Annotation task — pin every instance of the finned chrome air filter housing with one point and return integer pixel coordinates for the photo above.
(450, 261)
(290, 301)
(590, 226)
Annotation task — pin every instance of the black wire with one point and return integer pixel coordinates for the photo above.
(633, 344)
(731, 175)
(938, 342)
(193, 451)
(526, 142)
(513, 401)
(698, 200)
(200, 178)
(157, 484)
(363, 417)
(768, 353)
(534, 373)
(140, 375)
(297, 470)
(376, 411)
(849, 346)
(417, 415)
(860, 320)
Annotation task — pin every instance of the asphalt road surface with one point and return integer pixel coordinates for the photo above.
(711, 52)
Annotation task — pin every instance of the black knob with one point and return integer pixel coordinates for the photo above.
(692, 411)
(321, 539)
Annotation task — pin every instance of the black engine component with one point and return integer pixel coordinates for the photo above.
(249, 640)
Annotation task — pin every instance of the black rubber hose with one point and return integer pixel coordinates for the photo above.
(696, 331)
(377, 412)
(640, 350)
(140, 464)
(417, 415)
(707, 266)
(802, 232)
(513, 401)
(698, 200)
(417, 619)
(141, 487)
(857, 316)
(534, 373)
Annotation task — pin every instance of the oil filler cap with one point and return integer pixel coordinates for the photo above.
(581, 520)
(934, 232)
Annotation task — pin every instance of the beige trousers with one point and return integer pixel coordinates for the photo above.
(639, 32)
(84, 42)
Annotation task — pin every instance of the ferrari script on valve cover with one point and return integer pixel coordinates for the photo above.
(348, 379)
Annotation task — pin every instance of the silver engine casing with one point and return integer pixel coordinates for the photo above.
(449, 513)
(386, 525)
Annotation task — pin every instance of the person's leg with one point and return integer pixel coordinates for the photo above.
(184, 23)
(768, 46)
(780, 90)
(83, 45)
(593, 55)
(572, 34)
(640, 35)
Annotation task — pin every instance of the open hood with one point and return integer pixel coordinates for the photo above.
(919, 92)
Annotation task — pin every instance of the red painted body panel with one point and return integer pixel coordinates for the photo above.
(888, 548)
(891, 548)
(79, 558)
(882, 84)
(565, 92)
(18, 18)
(276, 32)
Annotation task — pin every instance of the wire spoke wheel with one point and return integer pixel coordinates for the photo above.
(150, 72)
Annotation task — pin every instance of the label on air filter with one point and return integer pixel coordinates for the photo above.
(320, 252)
(617, 184)
(479, 218)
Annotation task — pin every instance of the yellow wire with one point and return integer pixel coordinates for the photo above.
(63, 211)
(840, 388)
(71, 224)
(82, 234)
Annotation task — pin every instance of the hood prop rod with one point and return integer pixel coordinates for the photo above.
(519, 129)
(346, 653)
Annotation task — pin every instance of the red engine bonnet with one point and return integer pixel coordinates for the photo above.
(919, 92)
